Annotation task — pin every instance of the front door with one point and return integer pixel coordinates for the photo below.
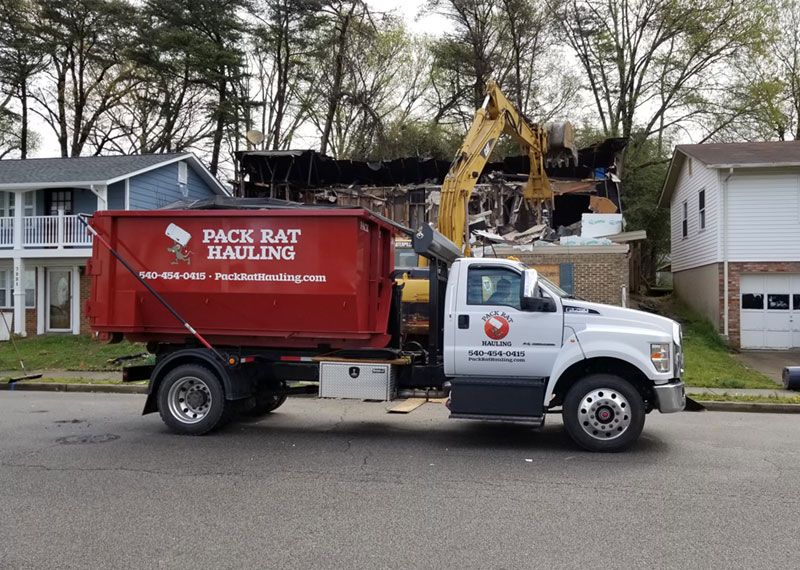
(494, 337)
(59, 300)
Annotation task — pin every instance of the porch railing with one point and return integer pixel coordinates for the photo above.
(46, 231)
(7, 231)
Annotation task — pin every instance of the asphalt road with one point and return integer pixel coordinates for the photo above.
(87, 483)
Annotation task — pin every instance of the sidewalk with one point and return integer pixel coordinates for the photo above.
(778, 391)
(115, 375)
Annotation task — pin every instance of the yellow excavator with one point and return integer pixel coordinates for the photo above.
(544, 144)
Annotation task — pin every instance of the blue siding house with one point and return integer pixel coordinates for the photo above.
(43, 246)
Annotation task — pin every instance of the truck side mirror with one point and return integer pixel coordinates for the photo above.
(529, 281)
(538, 304)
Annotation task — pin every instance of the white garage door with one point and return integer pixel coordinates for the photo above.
(770, 310)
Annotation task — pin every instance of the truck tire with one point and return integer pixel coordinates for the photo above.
(264, 405)
(191, 400)
(603, 412)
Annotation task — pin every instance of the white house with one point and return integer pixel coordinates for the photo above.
(735, 224)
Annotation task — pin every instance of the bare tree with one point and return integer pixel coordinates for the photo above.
(652, 65)
(86, 74)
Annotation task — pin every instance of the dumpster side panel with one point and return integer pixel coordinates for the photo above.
(261, 278)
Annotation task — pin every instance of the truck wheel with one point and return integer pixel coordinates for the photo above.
(191, 400)
(264, 406)
(603, 412)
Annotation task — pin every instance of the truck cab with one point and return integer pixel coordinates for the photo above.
(605, 366)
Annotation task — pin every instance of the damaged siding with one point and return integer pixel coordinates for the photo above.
(700, 246)
(764, 215)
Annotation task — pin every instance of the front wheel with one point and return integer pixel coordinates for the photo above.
(603, 412)
(191, 400)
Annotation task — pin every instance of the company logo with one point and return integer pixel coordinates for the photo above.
(354, 372)
(496, 327)
(180, 239)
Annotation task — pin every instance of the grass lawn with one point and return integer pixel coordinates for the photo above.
(707, 359)
(66, 352)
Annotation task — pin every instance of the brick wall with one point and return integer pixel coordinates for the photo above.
(598, 276)
(735, 270)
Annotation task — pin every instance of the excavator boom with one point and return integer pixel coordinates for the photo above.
(495, 117)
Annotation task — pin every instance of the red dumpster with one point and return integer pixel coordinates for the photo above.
(283, 278)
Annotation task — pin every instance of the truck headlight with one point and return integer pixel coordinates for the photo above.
(659, 354)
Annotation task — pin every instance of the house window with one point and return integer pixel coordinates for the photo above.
(7, 289)
(752, 301)
(685, 220)
(777, 302)
(8, 200)
(59, 200)
(183, 173)
(701, 209)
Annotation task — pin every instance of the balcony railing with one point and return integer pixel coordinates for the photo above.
(45, 232)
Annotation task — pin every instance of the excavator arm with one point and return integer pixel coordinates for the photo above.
(497, 116)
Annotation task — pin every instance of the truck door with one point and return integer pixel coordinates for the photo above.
(493, 336)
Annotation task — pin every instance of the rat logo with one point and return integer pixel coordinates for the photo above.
(496, 327)
(180, 239)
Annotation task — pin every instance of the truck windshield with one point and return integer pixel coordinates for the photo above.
(554, 288)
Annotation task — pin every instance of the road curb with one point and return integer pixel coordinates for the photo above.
(755, 407)
(59, 387)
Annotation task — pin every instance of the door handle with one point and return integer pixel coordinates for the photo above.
(463, 321)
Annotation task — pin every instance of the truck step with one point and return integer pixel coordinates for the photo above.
(534, 420)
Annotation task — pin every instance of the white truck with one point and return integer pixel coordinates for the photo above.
(508, 329)
(503, 343)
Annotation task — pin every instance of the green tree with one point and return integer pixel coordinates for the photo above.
(281, 61)
(206, 37)
(86, 73)
(21, 57)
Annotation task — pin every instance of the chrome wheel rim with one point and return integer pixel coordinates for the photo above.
(604, 414)
(189, 400)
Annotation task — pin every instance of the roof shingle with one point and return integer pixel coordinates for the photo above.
(77, 170)
(751, 153)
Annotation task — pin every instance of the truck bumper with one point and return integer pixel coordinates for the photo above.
(670, 397)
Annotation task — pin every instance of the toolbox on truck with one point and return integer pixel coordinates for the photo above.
(360, 380)
(269, 277)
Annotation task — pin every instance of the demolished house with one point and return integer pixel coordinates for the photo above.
(580, 244)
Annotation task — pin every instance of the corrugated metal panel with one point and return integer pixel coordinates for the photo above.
(764, 216)
(700, 247)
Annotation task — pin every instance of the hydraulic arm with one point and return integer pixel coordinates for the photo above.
(497, 116)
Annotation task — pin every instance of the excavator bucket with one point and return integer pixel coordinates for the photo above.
(561, 149)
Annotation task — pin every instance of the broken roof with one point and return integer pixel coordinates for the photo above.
(730, 155)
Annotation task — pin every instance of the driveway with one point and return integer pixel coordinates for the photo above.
(769, 362)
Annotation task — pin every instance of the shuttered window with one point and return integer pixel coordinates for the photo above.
(701, 209)
(685, 220)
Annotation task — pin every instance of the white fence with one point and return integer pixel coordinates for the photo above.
(46, 231)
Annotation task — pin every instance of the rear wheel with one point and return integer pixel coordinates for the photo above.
(191, 400)
(603, 412)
